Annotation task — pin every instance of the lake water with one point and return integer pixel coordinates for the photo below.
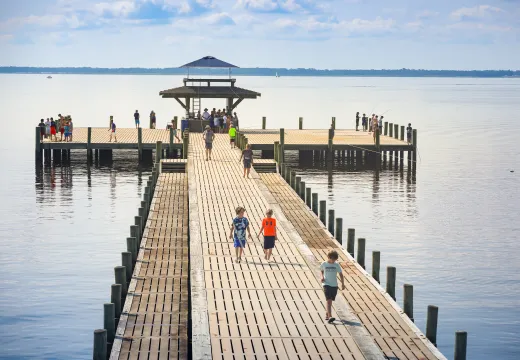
(452, 232)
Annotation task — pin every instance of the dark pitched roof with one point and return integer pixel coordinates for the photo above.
(206, 92)
(209, 62)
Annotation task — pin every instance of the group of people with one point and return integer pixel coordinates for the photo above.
(49, 128)
(220, 121)
(153, 119)
(329, 269)
(376, 123)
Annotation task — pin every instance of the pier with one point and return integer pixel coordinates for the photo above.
(186, 298)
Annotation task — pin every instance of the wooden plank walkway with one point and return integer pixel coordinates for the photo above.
(393, 332)
(154, 323)
(318, 138)
(254, 309)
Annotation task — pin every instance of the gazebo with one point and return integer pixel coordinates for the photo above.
(191, 93)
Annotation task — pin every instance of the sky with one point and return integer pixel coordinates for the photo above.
(322, 34)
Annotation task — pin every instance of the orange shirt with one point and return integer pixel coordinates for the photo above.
(269, 225)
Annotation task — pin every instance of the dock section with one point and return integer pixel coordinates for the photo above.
(154, 321)
(256, 309)
(392, 331)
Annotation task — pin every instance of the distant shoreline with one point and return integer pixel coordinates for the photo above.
(282, 72)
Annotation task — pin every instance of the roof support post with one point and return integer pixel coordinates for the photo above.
(236, 103)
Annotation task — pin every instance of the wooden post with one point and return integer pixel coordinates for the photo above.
(140, 143)
(141, 213)
(89, 144)
(391, 130)
(323, 211)
(339, 230)
(287, 174)
(146, 196)
(38, 146)
(396, 131)
(414, 143)
(402, 133)
(390, 281)
(263, 123)
(431, 323)
(376, 263)
(175, 120)
(308, 198)
(100, 344)
(276, 148)
(333, 123)
(184, 146)
(292, 179)
(115, 298)
(109, 321)
(461, 342)
(131, 246)
(408, 300)
(331, 221)
(386, 128)
(120, 275)
(282, 145)
(170, 147)
(361, 252)
(297, 181)
(137, 222)
(134, 232)
(302, 190)
(300, 123)
(351, 239)
(158, 151)
(126, 261)
(315, 203)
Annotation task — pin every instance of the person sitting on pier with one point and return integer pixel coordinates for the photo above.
(208, 137)
(409, 133)
(357, 121)
(364, 122)
(136, 118)
(238, 229)
(112, 131)
(247, 154)
(42, 129)
(329, 278)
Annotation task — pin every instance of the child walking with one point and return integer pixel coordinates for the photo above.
(247, 154)
(232, 135)
(269, 230)
(329, 270)
(238, 232)
(112, 131)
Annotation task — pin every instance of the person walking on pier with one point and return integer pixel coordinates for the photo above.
(238, 229)
(112, 131)
(409, 133)
(232, 135)
(136, 118)
(357, 121)
(208, 137)
(247, 154)
(329, 278)
(269, 230)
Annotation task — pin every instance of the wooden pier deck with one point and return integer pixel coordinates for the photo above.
(393, 332)
(154, 321)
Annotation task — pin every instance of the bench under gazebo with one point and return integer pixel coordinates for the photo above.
(189, 95)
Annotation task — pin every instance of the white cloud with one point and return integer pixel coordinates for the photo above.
(116, 8)
(427, 14)
(258, 5)
(476, 12)
(218, 19)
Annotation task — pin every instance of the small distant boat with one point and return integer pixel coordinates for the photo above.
(49, 77)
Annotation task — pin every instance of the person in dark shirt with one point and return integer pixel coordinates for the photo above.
(136, 118)
(357, 121)
(247, 154)
(42, 129)
(112, 131)
(364, 122)
(409, 133)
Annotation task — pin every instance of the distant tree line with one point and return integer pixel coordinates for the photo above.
(261, 72)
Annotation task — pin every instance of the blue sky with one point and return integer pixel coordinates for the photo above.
(335, 34)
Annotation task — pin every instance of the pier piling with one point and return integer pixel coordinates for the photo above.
(339, 230)
(323, 211)
(408, 300)
(302, 190)
(308, 197)
(431, 323)
(89, 145)
(300, 123)
(109, 321)
(315, 203)
(361, 252)
(100, 344)
(461, 341)
(351, 238)
(140, 143)
(297, 181)
(331, 221)
(263, 122)
(115, 298)
(120, 277)
(131, 246)
(126, 261)
(390, 281)
(376, 264)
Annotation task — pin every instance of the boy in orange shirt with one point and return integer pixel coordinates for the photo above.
(269, 230)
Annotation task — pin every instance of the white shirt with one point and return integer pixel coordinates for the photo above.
(205, 116)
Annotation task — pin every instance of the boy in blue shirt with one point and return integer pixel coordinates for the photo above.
(329, 278)
(239, 226)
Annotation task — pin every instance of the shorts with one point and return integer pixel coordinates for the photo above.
(232, 140)
(330, 292)
(62, 130)
(137, 122)
(42, 131)
(221, 122)
(209, 145)
(53, 131)
(268, 242)
(247, 164)
(239, 243)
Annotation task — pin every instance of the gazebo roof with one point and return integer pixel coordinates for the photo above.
(209, 62)
(207, 92)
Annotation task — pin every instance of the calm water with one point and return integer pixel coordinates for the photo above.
(453, 232)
